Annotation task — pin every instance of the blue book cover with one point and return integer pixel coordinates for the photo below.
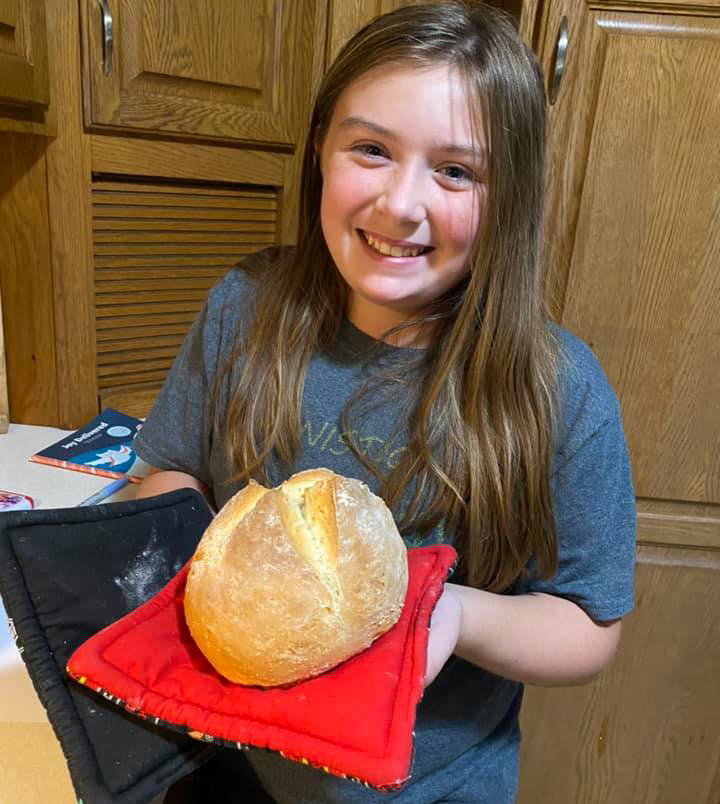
(102, 447)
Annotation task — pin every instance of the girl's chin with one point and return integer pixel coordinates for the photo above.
(392, 292)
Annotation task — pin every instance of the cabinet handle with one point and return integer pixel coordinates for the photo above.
(107, 29)
(561, 46)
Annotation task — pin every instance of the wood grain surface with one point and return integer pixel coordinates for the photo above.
(23, 53)
(632, 236)
(148, 157)
(643, 286)
(4, 405)
(68, 188)
(26, 280)
(646, 730)
(235, 71)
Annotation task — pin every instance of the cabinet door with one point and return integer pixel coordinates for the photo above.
(230, 69)
(23, 53)
(633, 240)
(345, 18)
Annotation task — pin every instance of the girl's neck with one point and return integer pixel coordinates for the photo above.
(375, 320)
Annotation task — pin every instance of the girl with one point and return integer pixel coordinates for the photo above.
(404, 342)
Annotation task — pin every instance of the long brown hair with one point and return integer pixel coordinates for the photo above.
(479, 437)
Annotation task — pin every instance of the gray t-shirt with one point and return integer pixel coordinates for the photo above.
(466, 731)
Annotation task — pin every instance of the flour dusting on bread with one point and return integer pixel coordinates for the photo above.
(289, 582)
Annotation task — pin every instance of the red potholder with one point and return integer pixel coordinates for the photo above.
(354, 721)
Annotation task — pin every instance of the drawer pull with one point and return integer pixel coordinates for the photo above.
(561, 47)
(107, 30)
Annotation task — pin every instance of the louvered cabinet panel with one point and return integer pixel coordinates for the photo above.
(158, 249)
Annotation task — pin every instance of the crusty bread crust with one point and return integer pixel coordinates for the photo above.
(289, 582)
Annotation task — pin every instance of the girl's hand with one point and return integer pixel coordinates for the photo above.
(444, 632)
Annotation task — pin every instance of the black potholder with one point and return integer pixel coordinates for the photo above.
(64, 575)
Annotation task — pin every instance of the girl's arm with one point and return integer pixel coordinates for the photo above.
(160, 481)
(533, 638)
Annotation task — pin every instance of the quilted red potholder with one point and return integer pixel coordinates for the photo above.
(354, 721)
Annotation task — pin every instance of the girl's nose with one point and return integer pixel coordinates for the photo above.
(403, 196)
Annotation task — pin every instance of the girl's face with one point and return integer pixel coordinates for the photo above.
(403, 191)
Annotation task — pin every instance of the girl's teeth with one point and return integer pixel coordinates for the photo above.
(390, 251)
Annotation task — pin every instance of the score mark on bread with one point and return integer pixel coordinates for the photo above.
(289, 582)
(307, 510)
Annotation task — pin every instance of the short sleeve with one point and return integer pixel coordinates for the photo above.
(176, 434)
(593, 499)
(594, 510)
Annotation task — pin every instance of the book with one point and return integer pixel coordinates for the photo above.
(102, 447)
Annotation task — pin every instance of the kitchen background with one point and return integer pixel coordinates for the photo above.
(144, 147)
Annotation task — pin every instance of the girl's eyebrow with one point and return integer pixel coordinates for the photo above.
(353, 121)
(376, 128)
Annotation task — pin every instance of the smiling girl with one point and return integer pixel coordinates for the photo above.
(403, 192)
(404, 341)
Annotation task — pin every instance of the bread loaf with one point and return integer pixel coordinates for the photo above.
(289, 582)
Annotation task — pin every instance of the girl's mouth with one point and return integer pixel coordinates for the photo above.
(390, 249)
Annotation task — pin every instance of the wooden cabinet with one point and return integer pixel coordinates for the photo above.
(24, 97)
(177, 129)
(4, 408)
(183, 157)
(230, 69)
(23, 53)
(633, 242)
(170, 215)
(166, 168)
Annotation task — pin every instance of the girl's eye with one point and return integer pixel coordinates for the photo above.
(457, 174)
(370, 150)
